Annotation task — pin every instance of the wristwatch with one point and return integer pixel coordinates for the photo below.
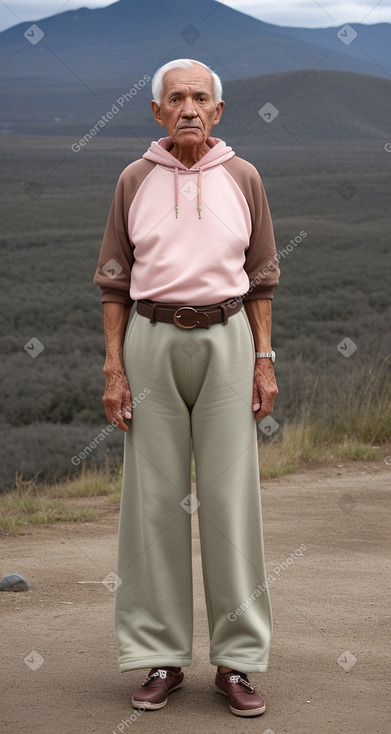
(271, 355)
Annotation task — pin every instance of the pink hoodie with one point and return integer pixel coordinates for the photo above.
(195, 235)
(159, 153)
(190, 228)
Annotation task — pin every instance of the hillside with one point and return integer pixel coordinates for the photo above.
(326, 173)
(337, 106)
(86, 58)
(372, 42)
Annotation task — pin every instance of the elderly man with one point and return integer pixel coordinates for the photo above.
(189, 241)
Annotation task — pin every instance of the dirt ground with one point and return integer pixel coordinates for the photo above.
(330, 658)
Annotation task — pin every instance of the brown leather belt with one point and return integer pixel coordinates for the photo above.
(189, 317)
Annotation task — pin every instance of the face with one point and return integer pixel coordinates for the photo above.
(188, 110)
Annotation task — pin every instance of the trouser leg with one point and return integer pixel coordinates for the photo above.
(153, 614)
(208, 373)
(227, 477)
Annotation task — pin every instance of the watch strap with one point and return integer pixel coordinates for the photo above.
(270, 355)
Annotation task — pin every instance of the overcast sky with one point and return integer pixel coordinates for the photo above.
(308, 13)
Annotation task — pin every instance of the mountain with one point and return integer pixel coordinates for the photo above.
(318, 107)
(372, 44)
(75, 65)
(95, 55)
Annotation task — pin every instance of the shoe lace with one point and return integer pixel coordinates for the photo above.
(242, 679)
(155, 673)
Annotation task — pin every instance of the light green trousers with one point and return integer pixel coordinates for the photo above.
(198, 389)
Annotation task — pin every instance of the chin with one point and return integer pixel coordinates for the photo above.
(190, 135)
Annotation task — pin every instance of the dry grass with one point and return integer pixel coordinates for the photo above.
(30, 503)
(301, 446)
(352, 424)
(357, 427)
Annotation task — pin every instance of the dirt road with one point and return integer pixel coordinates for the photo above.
(330, 660)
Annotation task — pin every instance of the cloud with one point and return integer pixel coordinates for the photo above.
(316, 13)
(20, 11)
(307, 13)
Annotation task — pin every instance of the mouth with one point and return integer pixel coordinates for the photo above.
(189, 127)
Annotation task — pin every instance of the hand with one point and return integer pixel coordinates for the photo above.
(117, 399)
(265, 388)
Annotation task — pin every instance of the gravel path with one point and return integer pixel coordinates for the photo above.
(330, 656)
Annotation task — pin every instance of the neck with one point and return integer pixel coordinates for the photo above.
(189, 156)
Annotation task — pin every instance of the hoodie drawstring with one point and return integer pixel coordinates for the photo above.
(159, 153)
(199, 192)
(176, 192)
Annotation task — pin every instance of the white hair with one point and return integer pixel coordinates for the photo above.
(158, 77)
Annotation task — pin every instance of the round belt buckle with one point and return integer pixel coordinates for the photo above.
(177, 316)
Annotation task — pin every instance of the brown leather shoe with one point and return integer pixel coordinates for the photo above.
(153, 694)
(243, 699)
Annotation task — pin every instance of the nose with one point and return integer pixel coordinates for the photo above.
(188, 109)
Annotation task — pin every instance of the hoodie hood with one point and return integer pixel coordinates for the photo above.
(159, 152)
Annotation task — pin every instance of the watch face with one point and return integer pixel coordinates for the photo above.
(273, 356)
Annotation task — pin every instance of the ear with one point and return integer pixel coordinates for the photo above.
(219, 111)
(156, 113)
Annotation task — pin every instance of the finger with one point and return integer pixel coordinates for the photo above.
(115, 414)
(126, 403)
(122, 425)
(121, 416)
(107, 411)
(127, 411)
(265, 388)
(127, 407)
(260, 414)
(118, 421)
(256, 400)
(266, 408)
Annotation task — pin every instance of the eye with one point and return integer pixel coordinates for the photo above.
(174, 99)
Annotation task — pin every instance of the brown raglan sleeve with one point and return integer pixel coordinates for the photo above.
(261, 264)
(116, 259)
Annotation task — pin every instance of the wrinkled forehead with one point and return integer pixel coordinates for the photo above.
(196, 78)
